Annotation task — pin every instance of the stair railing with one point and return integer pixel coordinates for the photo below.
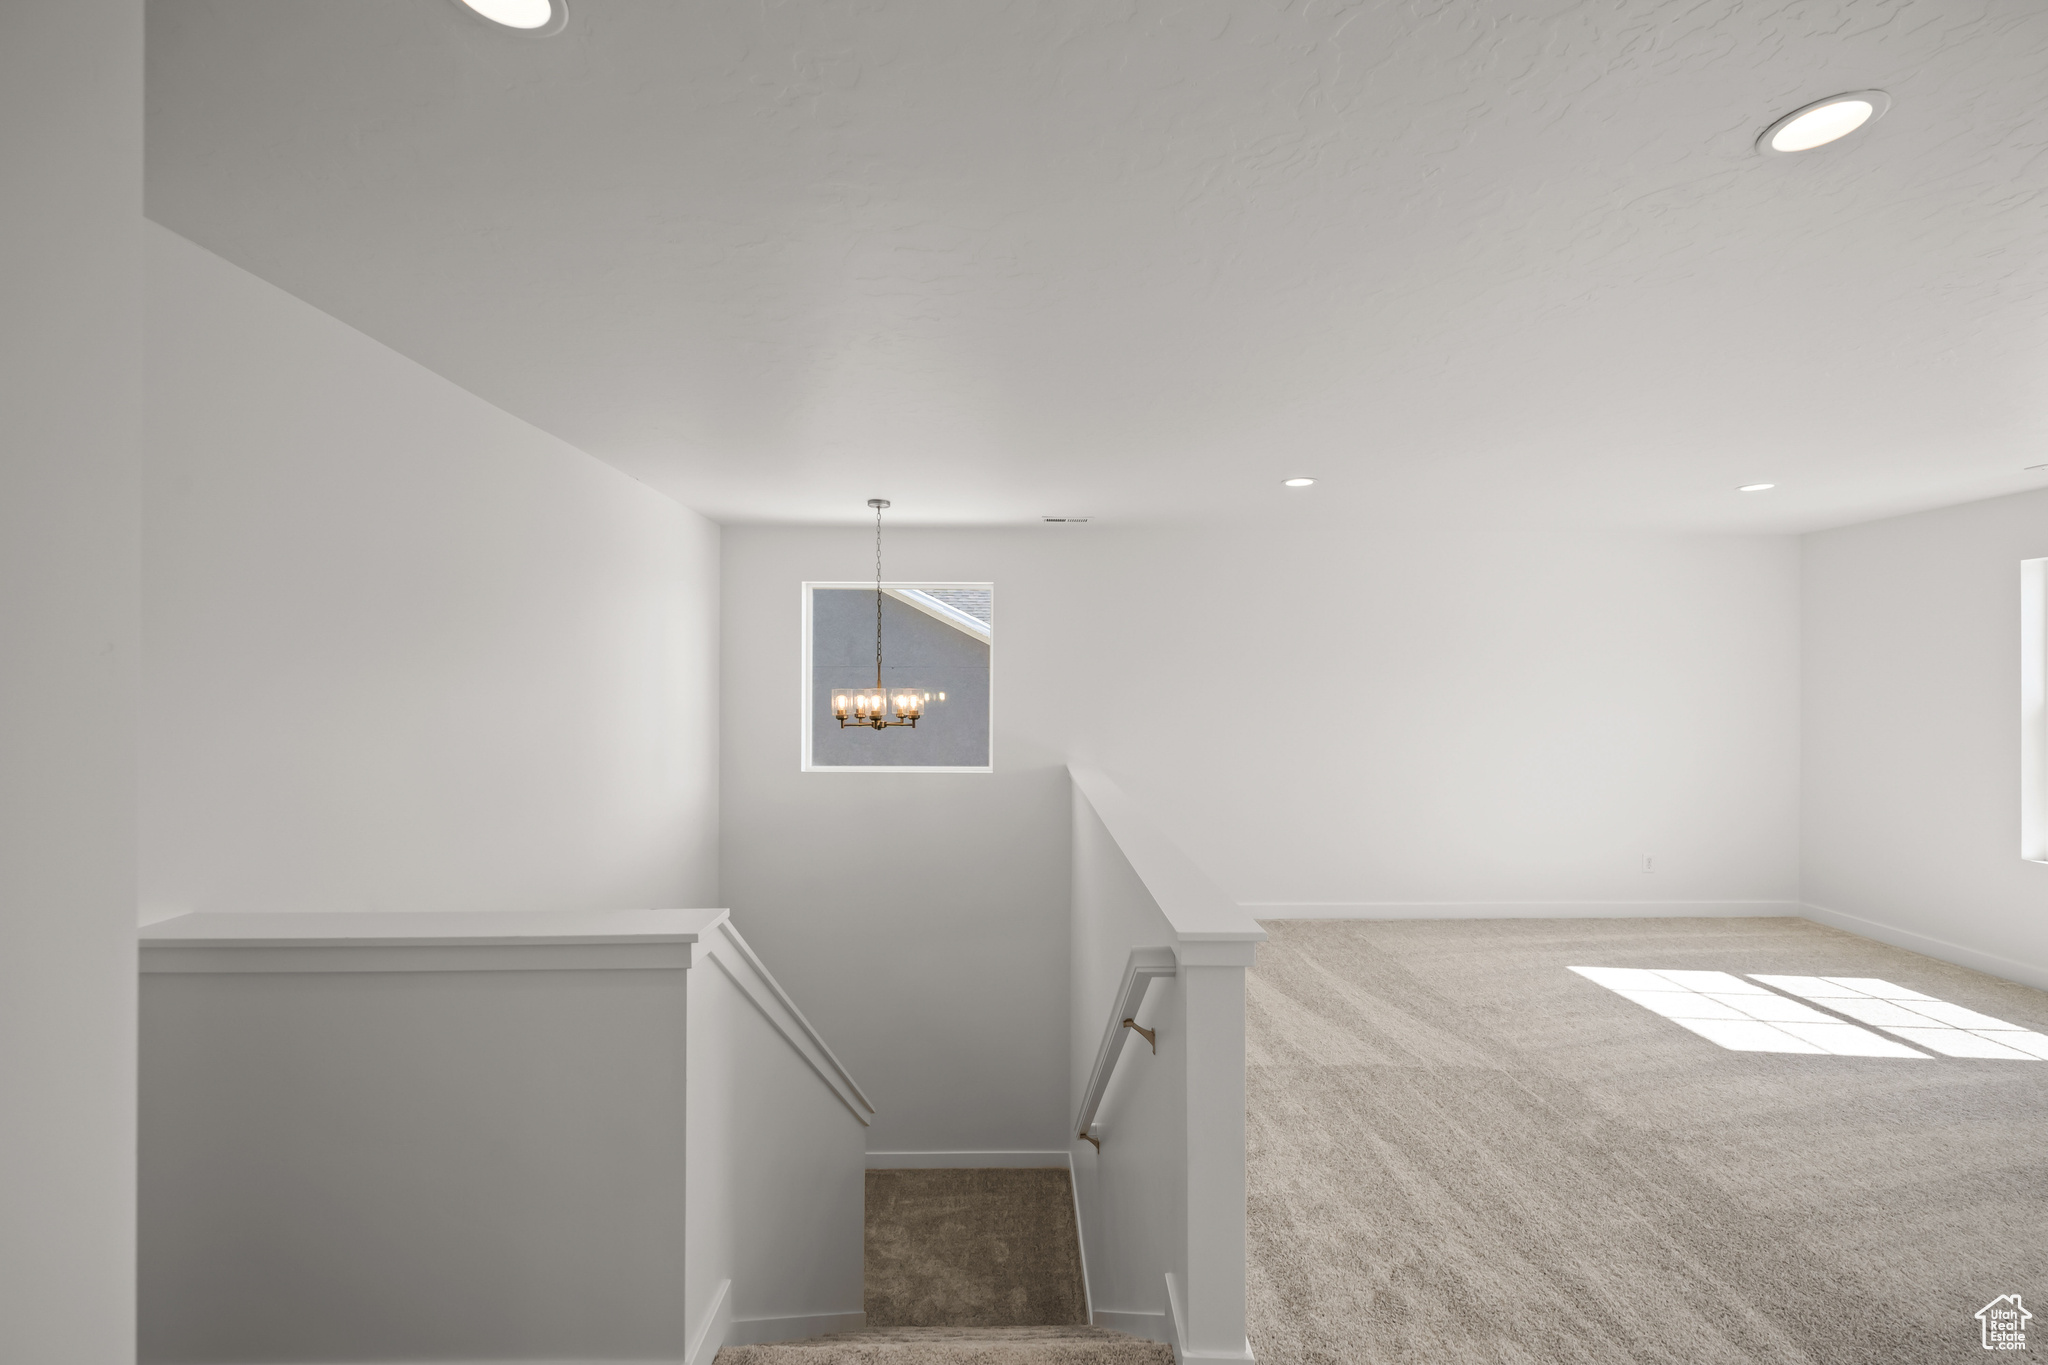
(1145, 966)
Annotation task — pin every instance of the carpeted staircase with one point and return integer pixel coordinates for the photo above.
(968, 1267)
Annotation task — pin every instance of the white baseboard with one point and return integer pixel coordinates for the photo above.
(953, 1161)
(713, 1327)
(793, 1327)
(1176, 1323)
(1992, 964)
(1516, 909)
(1080, 1237)
(1150, 1326)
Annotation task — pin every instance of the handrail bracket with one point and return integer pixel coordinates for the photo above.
(1149, 1035)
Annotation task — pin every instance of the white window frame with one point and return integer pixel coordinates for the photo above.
(804, 763)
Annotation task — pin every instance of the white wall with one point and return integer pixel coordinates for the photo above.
(777, 1169)
(1448, 720)
(1132, 1191)
(919, 918)
(70, 403)
(401, 650)
(466, 1165)
(1330, 717)
(1912, 763)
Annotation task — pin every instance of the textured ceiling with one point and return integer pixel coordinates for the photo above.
(1144, 259)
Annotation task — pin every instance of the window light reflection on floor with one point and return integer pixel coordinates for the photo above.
(1741, 1015)
(1934, 1024)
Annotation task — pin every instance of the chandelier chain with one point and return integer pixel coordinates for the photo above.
(878, 599)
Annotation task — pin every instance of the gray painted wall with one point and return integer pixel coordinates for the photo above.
(70, 399)
(918, 650)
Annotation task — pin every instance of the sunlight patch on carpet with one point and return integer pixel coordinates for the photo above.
(1741, 1015)
(1934, 1024)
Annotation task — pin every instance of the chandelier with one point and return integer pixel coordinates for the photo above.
(877, 708)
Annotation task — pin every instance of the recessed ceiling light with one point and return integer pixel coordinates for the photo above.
(1755, 487)
(1823, 121)
(530, 16)
(1297, 483)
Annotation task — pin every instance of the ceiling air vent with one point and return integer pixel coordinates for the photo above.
(1070, 519)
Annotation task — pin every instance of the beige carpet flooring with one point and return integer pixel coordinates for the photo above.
(972, 1248)
(1462, 1151)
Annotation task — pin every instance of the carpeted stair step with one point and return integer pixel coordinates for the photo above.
(957, 1346)
(968, 1267)
(972, 1248)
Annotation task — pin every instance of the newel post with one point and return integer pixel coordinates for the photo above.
(1212, 977)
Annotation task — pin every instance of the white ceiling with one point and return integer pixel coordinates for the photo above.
(1141, 258)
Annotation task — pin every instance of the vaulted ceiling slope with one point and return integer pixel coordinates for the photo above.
(1144, 258)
